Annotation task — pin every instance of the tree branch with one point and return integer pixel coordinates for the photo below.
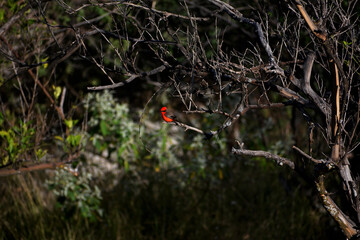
(36, 167)
(335, 112)
(166, 14)
(257, 153)
(188, 127)
(236, 15)
(130, 79)
(13, 19)
(345, 223)
(308, 156)
(305, 85)
(312, 26)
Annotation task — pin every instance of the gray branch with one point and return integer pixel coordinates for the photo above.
(130, 79)
(305, 85)
(279, 160)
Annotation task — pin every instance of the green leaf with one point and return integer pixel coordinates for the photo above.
(40, 153)
(104, 128)
(59, 138)
(1, 80)
(121, 150)
(5, 160)
(126, 166)
(12, 5)
(135, 150)
(98, 145)
(163, 145)
(31, 21)
(45, 65)
(73, 140)
(70, 123)
(57, 91)
(125, 45)
(2, 15)
(11, 145)
(72, 196)
(4, 134)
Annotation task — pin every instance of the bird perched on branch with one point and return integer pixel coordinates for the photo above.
(208, 135)
(166, 119)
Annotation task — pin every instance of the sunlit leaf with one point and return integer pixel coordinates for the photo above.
(59, 138)
(70, 123)
(57, 92)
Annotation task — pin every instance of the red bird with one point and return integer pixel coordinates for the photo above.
(166, 119)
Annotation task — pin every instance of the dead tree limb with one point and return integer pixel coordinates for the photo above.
(257, 153)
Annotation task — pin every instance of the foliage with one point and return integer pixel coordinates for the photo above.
(74, 140)
(75, 192)
(111, 127)
(17, 142)
(113, 132)
(160, 208)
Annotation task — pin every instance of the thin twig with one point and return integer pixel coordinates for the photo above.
(130, 79)
(308, 156)
(167, 14)
(236, 15)
(47, 94)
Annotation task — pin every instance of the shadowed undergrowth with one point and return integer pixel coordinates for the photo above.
(247, 203)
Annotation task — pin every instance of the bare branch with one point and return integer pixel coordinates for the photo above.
(257, 153)
(308, 156)
(345, 223)
(188, 127)
(58, 109)
(236, 15)
(13, 19)
(166, 14)
(305, 86)
(308, 20)
(130, 79)
(36, 167)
